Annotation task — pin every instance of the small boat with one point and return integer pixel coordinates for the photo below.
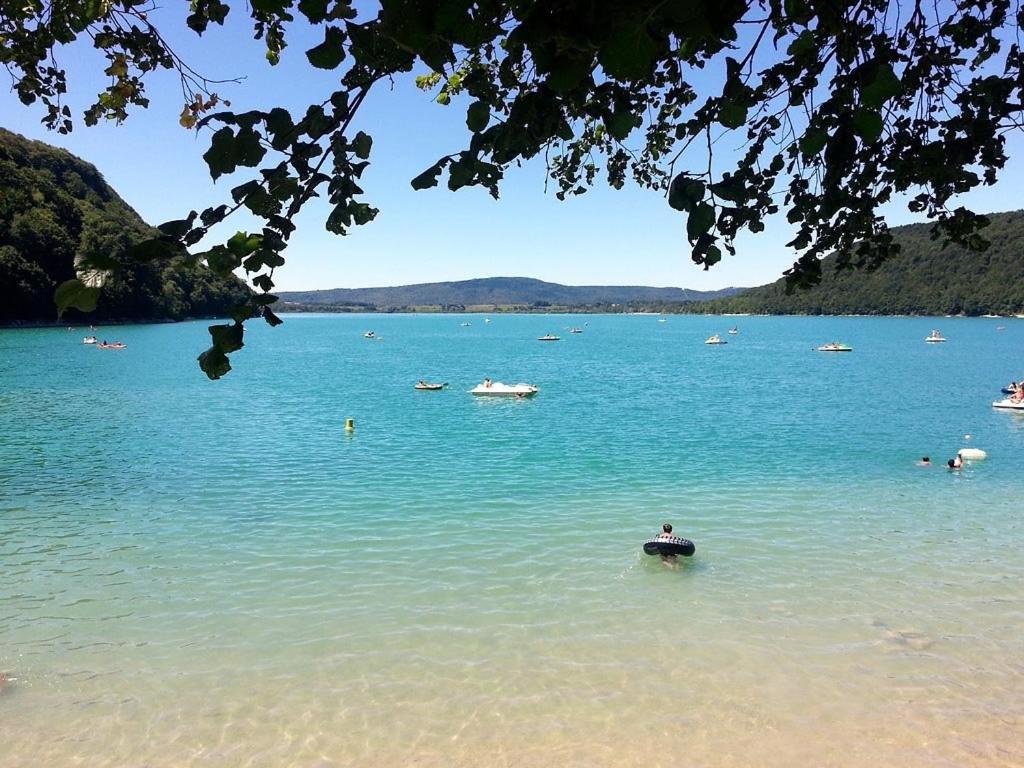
(575, 330)
(115, 345)
(89, 340)
(497, 389)
(1000, 327)
(662, 320)
(835, 346)
(466, 325)
(549, 337)
(426, 386)
(733, 331)
(715, 339)
(369, 335)
(1009, 404)
(935, 336)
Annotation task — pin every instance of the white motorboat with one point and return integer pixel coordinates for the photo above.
(496, 389)
(575, 330)
(1009, 404)
(466, 325)
(835, 346)
(715, 339)
(662, 320)
(89, 340)
(369, 335)
(733, 331)
(935, 336)
(549, 337)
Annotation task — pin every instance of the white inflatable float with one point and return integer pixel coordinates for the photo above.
(972, 454)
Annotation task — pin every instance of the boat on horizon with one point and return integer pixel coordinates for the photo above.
(935, 336)
(835, 346)
(715, 339)
(425, 386)
(549, 337)
(488, 388)
(89, 340)
(733, 331)
(369, 335)
(575, 330)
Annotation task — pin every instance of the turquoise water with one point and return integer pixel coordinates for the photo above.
(215, 574)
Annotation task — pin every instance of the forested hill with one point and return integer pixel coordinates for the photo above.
(495, 291)
(54, 207)
(925, 279)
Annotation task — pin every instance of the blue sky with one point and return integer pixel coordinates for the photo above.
(603, 237)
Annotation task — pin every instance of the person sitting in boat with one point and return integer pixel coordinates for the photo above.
(669, 561)
(487, 383)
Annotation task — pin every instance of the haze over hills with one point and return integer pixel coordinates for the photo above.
(494, 291)
(925, 279)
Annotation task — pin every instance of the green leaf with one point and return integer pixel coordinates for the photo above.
(868, 124)
(477, 116)
(227, 338)
(428, 178)
(701, 219)
(151, 250)
(813, 141)
(361, 145)
(314, 10)
(242, 244)
(685, 192)
(620, 124)
(882, 87)
(179, 227)
(248, 149)
(220, 157)
(803, 43)
(629, 52)
(732, 114)
(712, 256)
(214, 363)
(730, 188)
(331, 52)
(74, 294)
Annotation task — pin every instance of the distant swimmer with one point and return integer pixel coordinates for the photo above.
(956, 463)
(924, 462)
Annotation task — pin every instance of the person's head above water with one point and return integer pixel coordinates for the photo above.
(925, 460)
(951, 463)
(667, 528)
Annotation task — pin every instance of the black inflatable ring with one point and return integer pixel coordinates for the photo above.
(673, 545)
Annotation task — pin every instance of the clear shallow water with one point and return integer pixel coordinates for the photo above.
(198, 573)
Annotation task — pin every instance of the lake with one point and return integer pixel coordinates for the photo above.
(202, 573)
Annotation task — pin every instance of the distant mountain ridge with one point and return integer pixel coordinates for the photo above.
(497, 291)
(924, 279)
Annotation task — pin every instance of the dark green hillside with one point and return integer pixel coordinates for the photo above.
(54, 208)
(925, 279)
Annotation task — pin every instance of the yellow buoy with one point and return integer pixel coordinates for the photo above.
(350, 425)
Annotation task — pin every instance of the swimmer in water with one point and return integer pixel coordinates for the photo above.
(669, 561)
(956, 463)
(924, 462)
